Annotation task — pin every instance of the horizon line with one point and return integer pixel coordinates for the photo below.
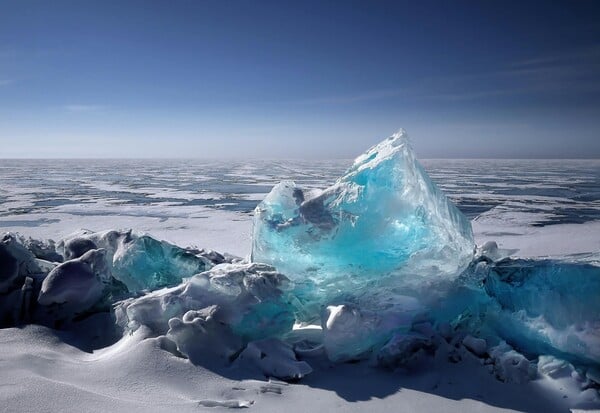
(284, 159)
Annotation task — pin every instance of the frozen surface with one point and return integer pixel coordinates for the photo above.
(521, 204)
(507, 334)
(384, 215)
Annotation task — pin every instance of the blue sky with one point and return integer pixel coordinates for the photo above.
(278, 79)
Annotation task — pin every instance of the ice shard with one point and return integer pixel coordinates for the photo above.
(383, 216)
(547, 307)
(138, 260)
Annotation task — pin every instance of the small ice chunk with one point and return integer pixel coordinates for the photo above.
(555, 368)
(351, 333)
(16, 263)
(477, 346)
(78, 283)
(593, 374)
(230, 404)
(402, 349)
(509, 365)
(203, 337)
(76, 247)
(490, 251)
(146, 263)
(273, 358)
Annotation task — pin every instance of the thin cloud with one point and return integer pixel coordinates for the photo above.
(584, 55)
(473, 95)
(6, 82)
(565, 72)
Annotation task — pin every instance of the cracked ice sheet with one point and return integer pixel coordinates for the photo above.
(223, 231)
(512, 230)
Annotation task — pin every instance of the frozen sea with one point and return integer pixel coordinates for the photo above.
(528, 205)
(539, 208)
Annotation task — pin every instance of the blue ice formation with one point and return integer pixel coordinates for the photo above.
(546, 307)
(138, 260)
(381, 226)
(383, 216)
(383, 248)
(379, 265)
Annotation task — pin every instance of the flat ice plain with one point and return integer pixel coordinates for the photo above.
(536, 208)
(524, 204)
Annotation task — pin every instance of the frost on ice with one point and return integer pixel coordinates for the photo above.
(384, 215)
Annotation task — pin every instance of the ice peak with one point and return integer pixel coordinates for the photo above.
(400, 136)
(398, 143)
(383, 216)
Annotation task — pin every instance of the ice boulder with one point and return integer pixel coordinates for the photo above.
(16, 262)
(273, 358)
(204, 336)
(510, 365)
(352, 333)
(79, 284)
(138, 260)
(244, 300)
(383, 216)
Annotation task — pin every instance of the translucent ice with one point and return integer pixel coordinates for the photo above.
(138, 260)
(547, 307)
(383, 216)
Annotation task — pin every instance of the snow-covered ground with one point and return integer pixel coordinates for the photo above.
(40, 373)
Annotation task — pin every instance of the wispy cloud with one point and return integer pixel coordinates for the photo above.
(567, 72)
(6, 82)
(78, 108)
(584, 55)
(473, 95)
